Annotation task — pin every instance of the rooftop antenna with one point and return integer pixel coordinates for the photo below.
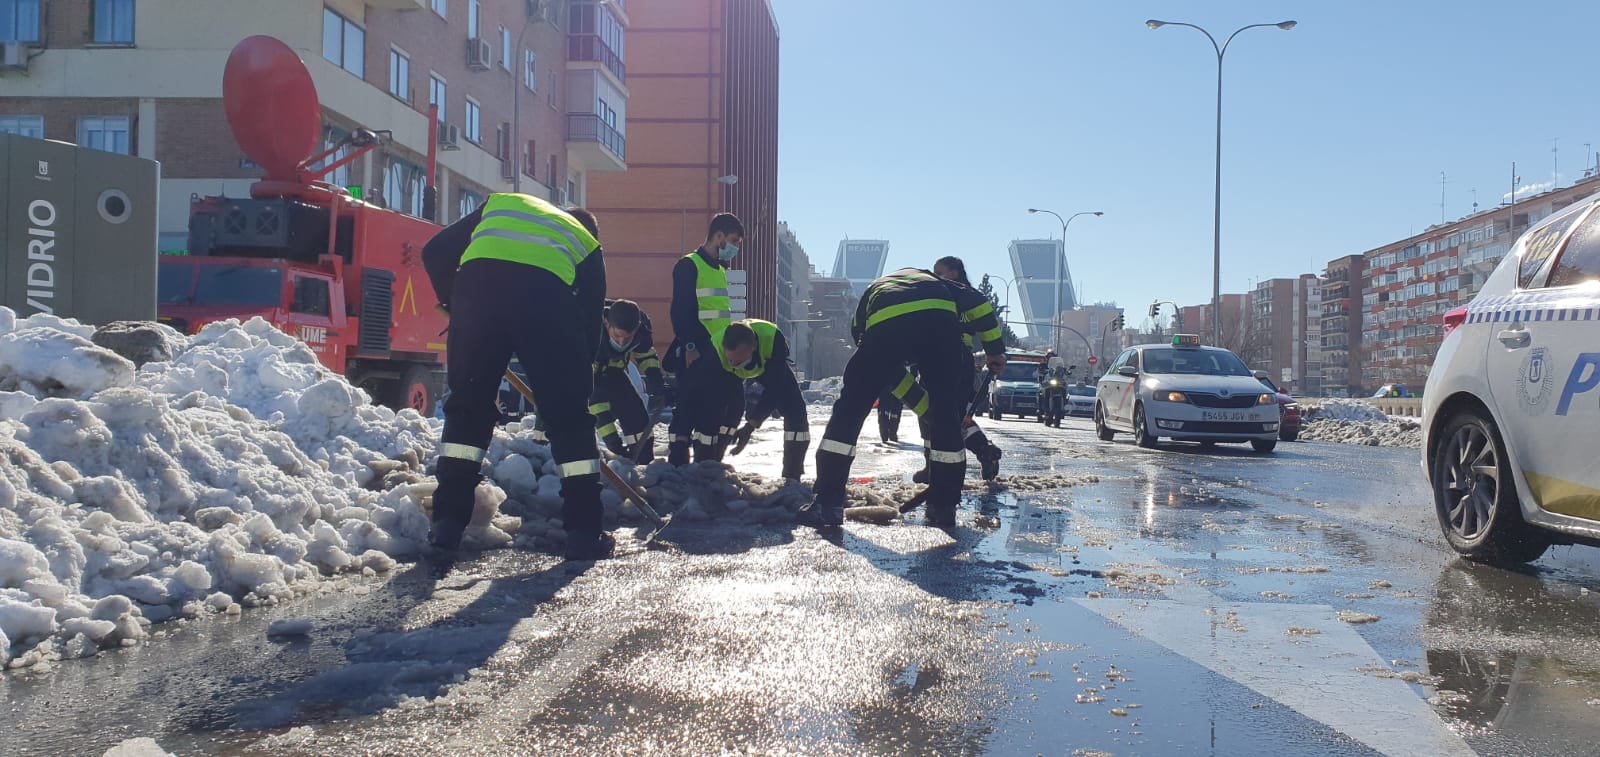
(1442, 181)
(1555, 162)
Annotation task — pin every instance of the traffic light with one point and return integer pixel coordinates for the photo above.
(1155, 309)
(1116, 323)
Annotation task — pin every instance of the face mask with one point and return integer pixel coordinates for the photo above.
(618, 346)
(728, 252)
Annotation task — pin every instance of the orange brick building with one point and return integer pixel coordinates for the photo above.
(702, 106)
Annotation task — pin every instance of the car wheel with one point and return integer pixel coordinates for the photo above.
(1289, 435)
(1263, 445)
(1141, 432)
(1101, 431)
(1474, 496)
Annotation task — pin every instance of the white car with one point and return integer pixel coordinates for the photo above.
(1511, 411)
(1080, 400)
(1186, 392)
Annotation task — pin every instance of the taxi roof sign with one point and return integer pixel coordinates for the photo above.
(1186, 340)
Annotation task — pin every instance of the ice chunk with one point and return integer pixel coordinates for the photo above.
(290, 627)
(140, 747)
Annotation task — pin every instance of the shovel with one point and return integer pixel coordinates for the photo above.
(629, 493)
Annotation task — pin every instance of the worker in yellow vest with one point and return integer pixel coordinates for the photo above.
(909, 317)
(755, 350)
(701, 308)
(520, 276)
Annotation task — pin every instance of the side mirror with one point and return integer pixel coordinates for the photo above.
(1260, 375)
(1129, 371)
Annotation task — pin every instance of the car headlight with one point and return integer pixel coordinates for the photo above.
(1172, 396)
(1295, 406)
(1266, 399)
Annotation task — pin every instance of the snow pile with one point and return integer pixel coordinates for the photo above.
(1356, 422)
(238, 472)
(824, 391)
(1345, 410)
(1394, 432)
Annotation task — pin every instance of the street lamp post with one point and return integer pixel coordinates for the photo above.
(1061, 261)
(1216, 222)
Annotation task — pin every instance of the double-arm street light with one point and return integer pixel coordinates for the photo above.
(1061, 259)
(1216, 223)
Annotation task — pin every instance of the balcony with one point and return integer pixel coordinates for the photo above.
(590, 48)
(593, 145)
(397, 5)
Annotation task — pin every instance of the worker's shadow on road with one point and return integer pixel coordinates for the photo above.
(434, 624)
(954, 570)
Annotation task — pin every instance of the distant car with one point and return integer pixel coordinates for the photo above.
(1288, 409)
(1185, 392)
(1391, 390)
(1511, 411)
(1016, 390)
(1080, 400)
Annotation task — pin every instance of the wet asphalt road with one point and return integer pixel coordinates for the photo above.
(1178, 601)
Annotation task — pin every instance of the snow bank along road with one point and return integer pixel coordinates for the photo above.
(1107, 598)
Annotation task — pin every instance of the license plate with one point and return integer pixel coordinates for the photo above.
(1221, 415)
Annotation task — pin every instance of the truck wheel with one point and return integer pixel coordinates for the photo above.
(419, 389)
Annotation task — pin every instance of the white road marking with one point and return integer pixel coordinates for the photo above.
(1314, 675)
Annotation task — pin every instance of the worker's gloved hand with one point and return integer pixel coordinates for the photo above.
(655, 386)
(614, 443)
(996, 363)
(742, 438)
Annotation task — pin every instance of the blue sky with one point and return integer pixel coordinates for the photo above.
(936, 124)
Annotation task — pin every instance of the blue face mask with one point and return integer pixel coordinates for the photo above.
(728, 252)
(618, 346)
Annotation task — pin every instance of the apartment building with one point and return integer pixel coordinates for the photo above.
(1278, 341)
(133, 76)
(1412, 283)
(702, 83)
(1342, 284)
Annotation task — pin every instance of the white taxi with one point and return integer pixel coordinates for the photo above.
(1511, 411)
(1186, 392)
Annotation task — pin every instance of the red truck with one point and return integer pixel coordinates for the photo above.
(342, 275)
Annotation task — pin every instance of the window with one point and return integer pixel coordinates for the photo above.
(1580, 261)
(403, 184)
(343, 43)
(505, 48)
(550, 172)
(109, 133)
(436, 94)
(1538, 244)
(311, 297)
(530, 70)
(399, 75)
(23, 126)
(469, 202)
(439, 7)
(474, 12)
(19, 20)
(527, 158)
(341, 176)
(113, 22)
(474, 122)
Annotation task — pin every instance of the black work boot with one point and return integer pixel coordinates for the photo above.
(678, 453)
(704, 452)
(581, 516)
(453, 501)
(825, 511)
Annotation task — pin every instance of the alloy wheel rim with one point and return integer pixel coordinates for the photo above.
(1470, 481)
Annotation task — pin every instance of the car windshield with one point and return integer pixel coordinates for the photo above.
(174, 282)
(1194, 362)
(1081, 391)
(1019, 372)
(239, 285)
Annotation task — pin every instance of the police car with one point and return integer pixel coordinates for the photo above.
(1511, 410)
(1186, 392)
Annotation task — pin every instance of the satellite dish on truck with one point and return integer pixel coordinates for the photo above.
(272, 106)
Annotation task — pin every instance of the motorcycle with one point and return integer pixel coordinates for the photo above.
(1052, 401)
